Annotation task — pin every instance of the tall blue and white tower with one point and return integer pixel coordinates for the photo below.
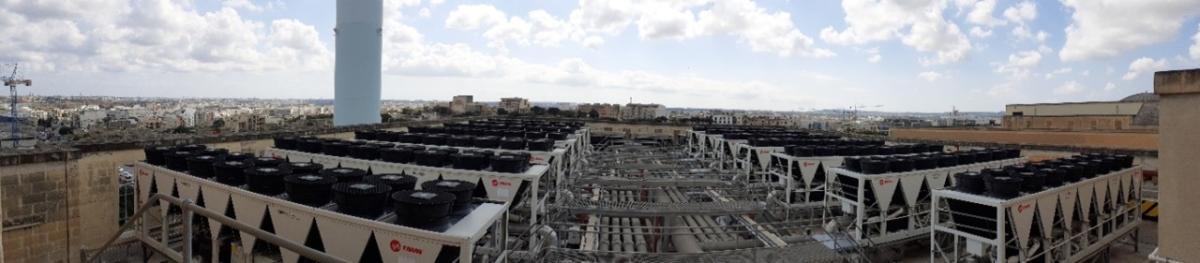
(356, 80)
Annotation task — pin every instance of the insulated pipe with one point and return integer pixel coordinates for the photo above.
(683, 239)
(548, 236)
(357, 63)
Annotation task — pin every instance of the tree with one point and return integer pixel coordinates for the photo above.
(218, 124)
(594, 114)
(384, 117)
(441, 110)
(537, 110)
(181, 129)
(501, 111)
(553, 111)
(64, 131)
(661, 119)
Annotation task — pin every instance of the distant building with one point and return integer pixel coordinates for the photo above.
(905, 123)
(1136, 112)
(637, 111)
(605, 111)
(514, 105)
(723, 120)
(462, 104)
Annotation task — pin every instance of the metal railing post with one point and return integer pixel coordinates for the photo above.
(187, 231)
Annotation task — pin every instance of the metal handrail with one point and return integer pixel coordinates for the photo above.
(189, 207)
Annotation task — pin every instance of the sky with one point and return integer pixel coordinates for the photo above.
(890, 55)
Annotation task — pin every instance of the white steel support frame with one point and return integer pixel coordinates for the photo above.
(712, 146)
(344, 236)
(501, 187)
(870, 221)
(753, 161)
(783, 167)
(695, 143)
(1071, 239)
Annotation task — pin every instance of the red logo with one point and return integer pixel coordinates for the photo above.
(1021, 208)
(807, 164)
(883, 182)
(143, 173)
(496, 182)
(396, 247)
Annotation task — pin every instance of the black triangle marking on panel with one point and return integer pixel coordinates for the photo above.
(369, 172)
(440, 177)
(174, 209)
(313, 241)
(924, 193)
(266, 225)
(448, 254)
(229, 212)
(480, 190)
(371, 252)
(520, 194)
(200, 198)
(287, 159)
(153, 186)
(339, 165)
(819, 175)
(797, 174)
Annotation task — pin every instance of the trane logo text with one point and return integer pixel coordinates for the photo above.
(397, 247)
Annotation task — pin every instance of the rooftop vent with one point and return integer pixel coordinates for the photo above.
(361, 199)
(313, 190)
(230, 172)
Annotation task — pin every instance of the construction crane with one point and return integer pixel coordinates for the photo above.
(12, 81)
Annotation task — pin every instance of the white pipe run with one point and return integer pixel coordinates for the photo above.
(357, 65)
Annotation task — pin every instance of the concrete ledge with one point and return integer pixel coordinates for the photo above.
(1173, 82)
(1141, 144)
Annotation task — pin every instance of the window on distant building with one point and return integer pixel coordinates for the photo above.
(607, 128)
(657, 130)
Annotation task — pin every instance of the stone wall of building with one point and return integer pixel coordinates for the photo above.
(1129, 141)
(1072, 123)
(36, 212)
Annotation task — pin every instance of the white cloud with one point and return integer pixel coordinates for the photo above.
(424, 12)
(764, 31)
(760, 29)
(1101, 29)
(1144, 65)
(879, 20)
(471, 17)
(873, 55)
(665, 22)
(931, 76)
(1086, 73)
(1021, 13)
(981, 14)
(980, 32)
(1056, 72)
(134, 35)
(1194, 50)
(1019, 64)
(604, 16)
(1068, 88)
(242, 4)
(1110, 86)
